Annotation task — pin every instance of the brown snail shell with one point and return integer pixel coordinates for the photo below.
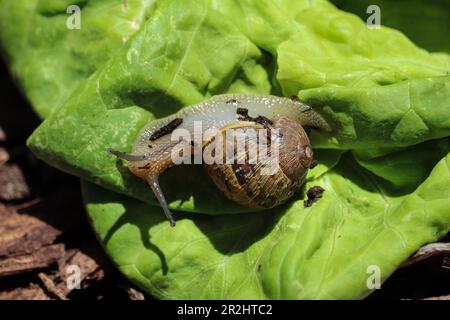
(245, 184)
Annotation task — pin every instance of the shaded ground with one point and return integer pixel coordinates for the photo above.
(44, 229)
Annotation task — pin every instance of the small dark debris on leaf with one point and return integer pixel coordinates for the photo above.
(231, 101)
(244, 116)
(242, 112)
(313, 164)
(313, 194)
(263, 120)
(168, 128)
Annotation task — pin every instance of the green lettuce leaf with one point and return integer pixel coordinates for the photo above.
(334, 48)
(151, 77)
(424, 22)
(386, 99)
(327, 251)
(49, 59)
(382, 94)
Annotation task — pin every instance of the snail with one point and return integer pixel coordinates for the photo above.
(241, 180)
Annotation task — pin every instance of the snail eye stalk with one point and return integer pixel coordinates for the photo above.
(154, 184)
(152, 180)
(128, 156)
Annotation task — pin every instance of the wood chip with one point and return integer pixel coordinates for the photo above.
(5, 212)
(428, 251)
(51, 287)
(446, 262)
(28, 262)
(30, 292)
(2, 135)
(89, 269)
(89, 272)
(446, 297)
(135, 295)
(4, 156)
(12, 183)
(23, 234)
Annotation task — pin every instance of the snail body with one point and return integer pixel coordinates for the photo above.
(243, 179)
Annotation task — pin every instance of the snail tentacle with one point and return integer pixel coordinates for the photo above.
(129, 156)
(154, 184)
